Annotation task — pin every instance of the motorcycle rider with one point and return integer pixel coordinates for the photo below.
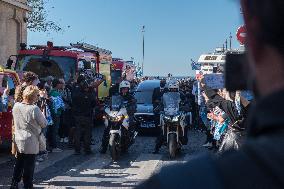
(172, 87)
(156, 100)
(124, 92)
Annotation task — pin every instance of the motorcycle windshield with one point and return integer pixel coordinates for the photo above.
(171, 102)
(116, 102)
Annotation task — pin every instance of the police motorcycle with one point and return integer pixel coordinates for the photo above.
(173, 122)
(118, 120)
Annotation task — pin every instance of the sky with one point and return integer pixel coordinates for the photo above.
(176, 31)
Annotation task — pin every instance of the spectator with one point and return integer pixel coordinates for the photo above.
(29, 78)
(48, 84)
(56, 110)
(83, 103)
(29, 121)
(66, 116)
(4, 100)
(44, 105)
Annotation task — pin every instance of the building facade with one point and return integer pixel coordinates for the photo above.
(13, 27)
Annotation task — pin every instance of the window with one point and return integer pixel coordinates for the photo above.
(211, 58)
(7, 80)
(144, 97)
(56, 66)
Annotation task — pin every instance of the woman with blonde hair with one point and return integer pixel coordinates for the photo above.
(29, 78)
(28, 122)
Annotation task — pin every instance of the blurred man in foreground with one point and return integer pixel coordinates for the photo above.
(260, 162)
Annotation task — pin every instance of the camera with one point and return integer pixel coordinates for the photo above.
(237, 72)
(90, 77)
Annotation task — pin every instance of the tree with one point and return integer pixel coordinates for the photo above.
(37, 18)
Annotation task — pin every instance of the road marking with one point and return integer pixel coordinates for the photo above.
(143, 167)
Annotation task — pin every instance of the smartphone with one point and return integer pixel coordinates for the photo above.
(236, 72)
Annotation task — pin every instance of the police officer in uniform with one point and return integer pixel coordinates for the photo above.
(173, 87)
(124, 91)
(156, 100)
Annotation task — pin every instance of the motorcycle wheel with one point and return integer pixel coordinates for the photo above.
(114, 152)
(172, 145)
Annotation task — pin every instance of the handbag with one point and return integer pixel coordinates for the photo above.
(14, 148)
(42, 142)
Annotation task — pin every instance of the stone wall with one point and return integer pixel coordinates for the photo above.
(13, 27)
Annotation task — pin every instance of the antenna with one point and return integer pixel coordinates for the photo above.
(231, 41)
(143, 31)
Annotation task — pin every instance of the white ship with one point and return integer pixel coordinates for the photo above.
(211, 62)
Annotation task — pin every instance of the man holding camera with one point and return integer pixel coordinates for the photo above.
(259, 162)
(83, 103)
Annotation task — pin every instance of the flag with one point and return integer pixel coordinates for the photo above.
(195, 66)
(139, 71)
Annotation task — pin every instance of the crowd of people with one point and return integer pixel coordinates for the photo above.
(48, 114)
(218, 113)
(258, 163)
(223, 115)
(62, 112)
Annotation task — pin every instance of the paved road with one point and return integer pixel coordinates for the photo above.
(65, 170)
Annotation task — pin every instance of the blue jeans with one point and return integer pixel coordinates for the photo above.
(203, 116)
(52, 132)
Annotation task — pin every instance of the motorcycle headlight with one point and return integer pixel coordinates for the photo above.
(119, 118)
(116, 118)
(168, 118)
(176, 118)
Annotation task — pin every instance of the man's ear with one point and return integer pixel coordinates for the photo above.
(252, 30)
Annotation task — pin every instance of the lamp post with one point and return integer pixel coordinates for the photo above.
(143, 32)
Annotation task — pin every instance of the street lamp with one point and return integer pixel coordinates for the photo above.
(143, 32)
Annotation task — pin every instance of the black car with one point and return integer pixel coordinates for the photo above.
(144, 116)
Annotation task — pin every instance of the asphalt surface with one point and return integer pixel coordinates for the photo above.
(66, 170)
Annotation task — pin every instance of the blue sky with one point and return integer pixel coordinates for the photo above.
(176, 30)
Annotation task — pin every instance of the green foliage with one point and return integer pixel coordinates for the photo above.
(37, 19)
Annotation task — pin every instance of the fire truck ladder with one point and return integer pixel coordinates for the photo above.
(53, 47)
(90, 48)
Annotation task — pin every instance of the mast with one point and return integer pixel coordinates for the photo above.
(143, 32)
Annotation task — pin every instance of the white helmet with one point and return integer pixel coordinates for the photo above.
(124, 84)
(173, 85)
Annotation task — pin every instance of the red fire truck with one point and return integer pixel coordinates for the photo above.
(65, 62)
(7, 78)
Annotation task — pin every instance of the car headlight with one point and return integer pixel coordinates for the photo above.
(176, 118)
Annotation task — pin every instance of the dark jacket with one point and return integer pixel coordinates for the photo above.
(131, 104)
(114, 90)
(258, 164)
(157, 98)
(82, 102)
